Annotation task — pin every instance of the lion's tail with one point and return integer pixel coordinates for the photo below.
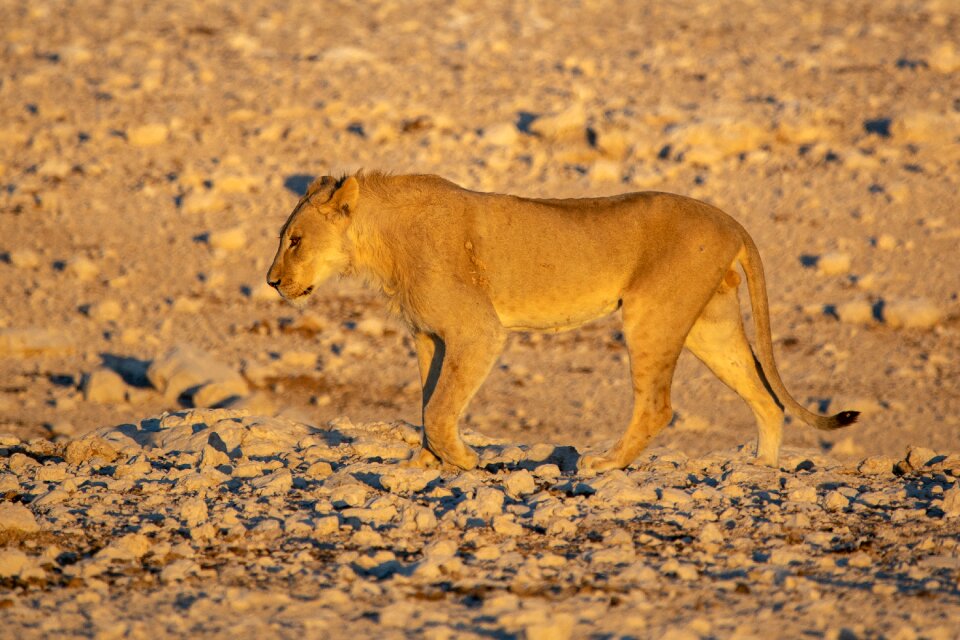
(749, 258)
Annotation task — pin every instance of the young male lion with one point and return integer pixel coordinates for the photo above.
(463, 268)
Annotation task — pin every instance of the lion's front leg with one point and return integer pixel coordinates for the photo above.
(463, 363)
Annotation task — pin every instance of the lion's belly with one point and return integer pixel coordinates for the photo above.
(555, 311)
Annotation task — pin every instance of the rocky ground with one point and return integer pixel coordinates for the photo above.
(150, 153)
(215, 522)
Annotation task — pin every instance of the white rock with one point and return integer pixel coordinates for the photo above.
(673, 496)
(944, 58)
(87, 448)
(614, 555)
(835, 501)
(519, 483)
(711, 140)
(128, 547)
(237, 183)
(373, 327)
(506, 525)
(930, 127)
(919, 457)
(199, 202)
(606, 170)
(711, 533)
(503, 134)
(82, 269)
(185, 367)
(856, 312)
(194, 511)
(135, 468)
(212, 458)
(12, 562)
(34, 342)
(803, 494)
(860, 560)
(106, 311)
(178, 570)
(326, 525)
(277, 483)
(558, 626)
(918, 313)
(876, 465)
(17, 518)
(105, 386)
(299, 359)
(569, 123)
(148, 135)
(834, 263)
(232, 239)
(489, 501)
(950, 501)
(319, 470)
(408, 480)
(24, 259)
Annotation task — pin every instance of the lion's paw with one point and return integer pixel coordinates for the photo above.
(591, 465)
(423, 459)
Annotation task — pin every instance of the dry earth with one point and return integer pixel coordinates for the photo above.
(149, 153)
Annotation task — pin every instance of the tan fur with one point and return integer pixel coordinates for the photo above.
(464, 268)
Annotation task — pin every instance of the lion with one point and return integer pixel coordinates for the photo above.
(464, 268)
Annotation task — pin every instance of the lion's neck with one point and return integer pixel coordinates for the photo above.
(372, 257)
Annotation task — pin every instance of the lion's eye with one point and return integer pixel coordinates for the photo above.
(294, 241)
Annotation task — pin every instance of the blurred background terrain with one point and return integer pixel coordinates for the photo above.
(150, 153)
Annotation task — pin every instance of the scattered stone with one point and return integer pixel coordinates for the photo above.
(675, 497)
(407, 480)
(187, 369)
(24, 259)
(17, 518)
(148, 135)
(24, 343)
(606, 170)
(276, 483)
(835, 501)
(558, 626)
(83, 269)
(519, 483)
(856, 312)
(503, 134)
(87, 448)
(919, 313)
(569, 123)
(944, 58)
(104, 386)
(834, 263)
(232, 239)
(919, 457)
(106, 311)
(876, 465)
(803, 495)
(194, 511)
(12, 562)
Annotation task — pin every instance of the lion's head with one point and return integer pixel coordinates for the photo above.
(312, 240)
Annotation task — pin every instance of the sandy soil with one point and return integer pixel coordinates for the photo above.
(149, 154)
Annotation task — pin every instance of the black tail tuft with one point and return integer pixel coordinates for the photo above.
(845, 418)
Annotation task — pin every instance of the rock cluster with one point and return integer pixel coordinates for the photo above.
(227, 511)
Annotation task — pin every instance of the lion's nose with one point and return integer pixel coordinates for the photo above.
(274, 283)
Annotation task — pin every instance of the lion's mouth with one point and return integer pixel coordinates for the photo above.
(306, 291)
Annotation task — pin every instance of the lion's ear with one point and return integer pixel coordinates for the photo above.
(321, 189)
(345, 198)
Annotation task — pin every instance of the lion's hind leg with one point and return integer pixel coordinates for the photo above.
(653, 358)
(718, 340)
